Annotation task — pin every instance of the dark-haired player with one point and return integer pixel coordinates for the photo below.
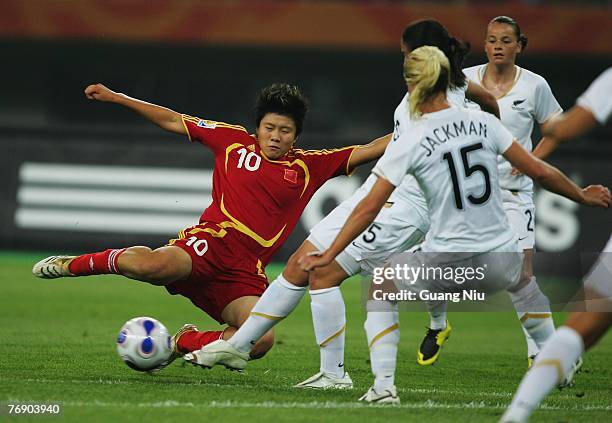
(524, 99)
(400, 225)
(261, 185)
(473, 204)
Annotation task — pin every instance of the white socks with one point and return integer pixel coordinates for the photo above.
(382, 331)
(437, 317)
(549, 369)
(329, 322)
(275, 304)
(533, 310)
(532, 347)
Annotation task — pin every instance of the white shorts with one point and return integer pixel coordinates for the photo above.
(520, 211)
(386, 236)
(501, 270)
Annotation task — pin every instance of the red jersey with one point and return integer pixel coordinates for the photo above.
(261, 198)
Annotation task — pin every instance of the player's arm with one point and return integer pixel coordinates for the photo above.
(545, 147)
(570, 124)
(369, 152)
(362, 216)
(483, 98)
(593, 107)
(563, 127)
(554, 180)
(161, 116)
(546, 108)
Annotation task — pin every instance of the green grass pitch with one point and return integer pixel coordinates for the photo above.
(58, 345)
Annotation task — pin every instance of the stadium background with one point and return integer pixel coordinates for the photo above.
(82, 176)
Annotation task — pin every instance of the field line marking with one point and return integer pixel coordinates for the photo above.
(435, 391)
(316, 405)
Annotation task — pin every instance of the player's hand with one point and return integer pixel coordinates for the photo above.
(99, 92)
(597, 196)
(313, 260)
(515, 172)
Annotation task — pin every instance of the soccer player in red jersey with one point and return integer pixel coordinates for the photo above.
(261, 185)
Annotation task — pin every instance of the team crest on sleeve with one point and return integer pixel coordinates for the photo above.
(208, 124)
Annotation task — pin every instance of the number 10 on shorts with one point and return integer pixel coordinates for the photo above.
(200, 246)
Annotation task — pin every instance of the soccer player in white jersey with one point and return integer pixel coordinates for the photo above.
(452, 153)
(524, 99)
(399, 226)
(582, 329)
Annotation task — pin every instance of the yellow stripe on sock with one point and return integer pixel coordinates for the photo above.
(266, 316)
(553, 362)
(383, 333)
(535, 316)
(334, 336)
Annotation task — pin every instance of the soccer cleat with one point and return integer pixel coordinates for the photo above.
(530, 360)
(430, 348)
(324, 381)
(569, 379)
(174, 343)
(388, 396)
(218, 352)
(53, 267)
(505, 419)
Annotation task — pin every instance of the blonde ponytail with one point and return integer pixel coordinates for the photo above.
(428, 71)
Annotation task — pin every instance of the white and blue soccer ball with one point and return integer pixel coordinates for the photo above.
(144, 344)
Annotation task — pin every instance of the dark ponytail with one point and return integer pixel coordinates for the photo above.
(429, 32)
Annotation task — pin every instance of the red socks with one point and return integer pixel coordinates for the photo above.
(194, 340)
(96, 263)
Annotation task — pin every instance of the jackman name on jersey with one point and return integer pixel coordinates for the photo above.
(444, 133)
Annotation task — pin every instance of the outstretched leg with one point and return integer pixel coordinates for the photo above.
(190, 339)
(277, 302)
(157, 267)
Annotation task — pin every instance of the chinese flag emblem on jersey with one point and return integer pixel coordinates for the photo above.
(291, 175)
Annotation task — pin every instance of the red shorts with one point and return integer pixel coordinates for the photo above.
(222, 271)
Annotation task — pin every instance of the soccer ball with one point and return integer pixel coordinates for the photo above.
(144, 344)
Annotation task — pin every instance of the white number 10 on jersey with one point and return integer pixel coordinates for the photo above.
(250, 160)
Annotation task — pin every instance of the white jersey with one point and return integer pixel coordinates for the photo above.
(452, 154)
(529, 100)
(407, 193)
(598, 97)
